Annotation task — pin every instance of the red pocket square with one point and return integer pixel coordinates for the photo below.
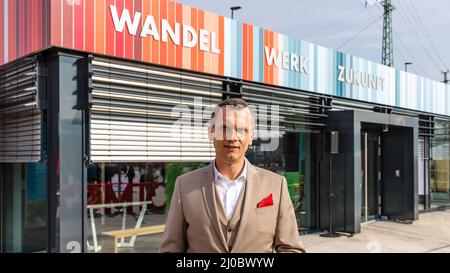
(268, 201)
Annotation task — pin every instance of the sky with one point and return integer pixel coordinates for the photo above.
(421, 27)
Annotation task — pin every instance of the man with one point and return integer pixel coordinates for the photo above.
(231, 205)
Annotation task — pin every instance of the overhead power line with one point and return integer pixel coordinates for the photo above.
(425, 32)
(413, 31)
(359, 32)
(399, 52)
(319, 29)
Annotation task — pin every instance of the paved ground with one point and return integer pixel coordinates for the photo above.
(431, 233)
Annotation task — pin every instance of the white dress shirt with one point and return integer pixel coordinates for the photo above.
(229, 190)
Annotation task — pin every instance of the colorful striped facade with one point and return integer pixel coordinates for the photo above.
(87, 25)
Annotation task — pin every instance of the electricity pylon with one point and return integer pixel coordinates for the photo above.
(387, 54)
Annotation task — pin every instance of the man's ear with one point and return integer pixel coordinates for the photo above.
(211, 133)
(252, 135)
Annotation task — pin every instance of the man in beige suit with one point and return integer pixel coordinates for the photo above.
(231, 205)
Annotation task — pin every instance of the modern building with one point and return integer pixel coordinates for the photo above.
(104, 103)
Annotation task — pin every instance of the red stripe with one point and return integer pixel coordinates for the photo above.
(28, 27)
(179, 56)
(78, 25)
(32, 26)
(12, 30)
(67, 25)
(110, 28)
(39, 25)
(22, 42)
(28, 10)
(129, 48)
(31, 13)
(120, 35)
(2, 34)
(89, 28)
(137, 38)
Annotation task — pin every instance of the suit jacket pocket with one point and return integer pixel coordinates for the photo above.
(265, 209)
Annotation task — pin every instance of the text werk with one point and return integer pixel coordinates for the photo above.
(286, 60)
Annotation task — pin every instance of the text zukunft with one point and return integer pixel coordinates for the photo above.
(364, 79)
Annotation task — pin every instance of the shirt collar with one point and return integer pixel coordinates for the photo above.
(219, 177)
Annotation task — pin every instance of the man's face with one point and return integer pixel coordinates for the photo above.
(232, 133)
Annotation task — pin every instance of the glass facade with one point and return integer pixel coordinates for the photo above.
(440, 165)
(292, 160)
(23, 193)
(129, 195)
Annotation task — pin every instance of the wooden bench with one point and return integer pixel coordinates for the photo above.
(110, 239)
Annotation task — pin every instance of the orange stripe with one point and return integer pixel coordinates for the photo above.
(179, 48)
(55, 22)
(155, 44)
(244, 51)
(250, 53)
(201, 54)
(163, 46)
(170, 45)
(275, 69)
(207, 58)
(272, 68)
(146, 41)
(137, 39)
(215, 28)
(268, 66)
(221, 35)
(129, 45)
(100, 26)
(186, 52)
(67, 25)
(194, 50)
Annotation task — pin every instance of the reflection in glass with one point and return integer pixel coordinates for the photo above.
(23, 198)
(124, 196)
(440, 165)
(292, 160)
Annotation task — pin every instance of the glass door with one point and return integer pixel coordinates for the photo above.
(371, 175)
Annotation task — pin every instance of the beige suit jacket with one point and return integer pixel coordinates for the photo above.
(193, 224)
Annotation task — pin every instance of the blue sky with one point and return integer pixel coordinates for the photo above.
(332, 22)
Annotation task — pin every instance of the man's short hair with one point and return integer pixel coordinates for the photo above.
(238, 104)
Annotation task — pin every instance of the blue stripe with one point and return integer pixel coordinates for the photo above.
(315, 68)
(261, 52)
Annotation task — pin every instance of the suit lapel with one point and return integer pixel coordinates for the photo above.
(251, 192)
(209, 200)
